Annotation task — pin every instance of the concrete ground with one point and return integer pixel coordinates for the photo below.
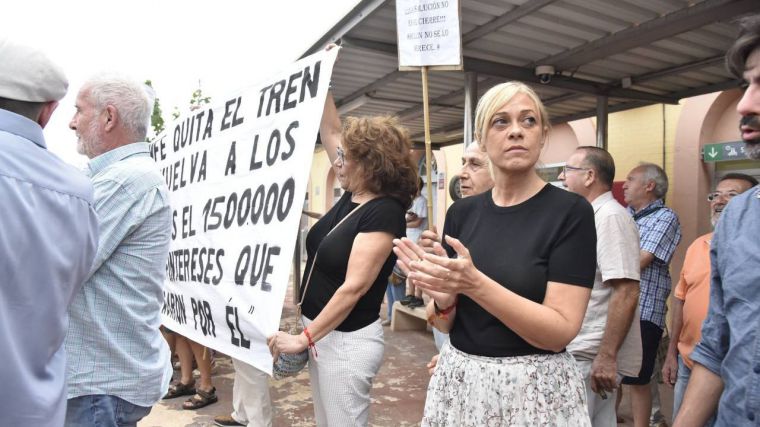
(398, 393)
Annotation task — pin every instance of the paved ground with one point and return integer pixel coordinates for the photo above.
(398, 393)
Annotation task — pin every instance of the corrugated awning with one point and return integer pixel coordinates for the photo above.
(634, 52)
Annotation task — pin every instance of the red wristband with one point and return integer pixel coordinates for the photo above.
(447, 310)
(442, 314)
(311, 344)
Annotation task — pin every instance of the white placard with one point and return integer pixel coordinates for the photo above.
(428, 33)
(237, 174)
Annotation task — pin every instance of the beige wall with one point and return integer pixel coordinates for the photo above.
(644, 134)
(560, 143)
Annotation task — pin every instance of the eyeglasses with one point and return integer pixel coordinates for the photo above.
(341, 155)
(728, 196)
(566, 169)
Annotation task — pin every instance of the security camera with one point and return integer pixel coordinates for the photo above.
(545, 73)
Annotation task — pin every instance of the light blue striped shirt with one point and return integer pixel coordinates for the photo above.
(114, 344)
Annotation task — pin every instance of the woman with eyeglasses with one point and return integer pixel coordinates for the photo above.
(349, 260)
(510, 283)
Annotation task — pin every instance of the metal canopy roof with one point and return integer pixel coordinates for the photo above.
(670, 49)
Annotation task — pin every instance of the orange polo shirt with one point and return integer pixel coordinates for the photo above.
(694, 289)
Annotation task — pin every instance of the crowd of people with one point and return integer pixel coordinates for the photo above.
(547, 300)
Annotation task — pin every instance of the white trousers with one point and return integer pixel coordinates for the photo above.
(601, 411)
(250, 396)
(341, 375)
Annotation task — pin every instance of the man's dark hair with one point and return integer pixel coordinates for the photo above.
(740, 176)
(601, 162)
(30, 110)
(745, 44)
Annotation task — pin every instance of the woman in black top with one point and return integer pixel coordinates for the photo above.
(510, 283)
(350, 250)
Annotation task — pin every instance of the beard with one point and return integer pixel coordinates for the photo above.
(752, 146)
(714, 219)
(88, 140)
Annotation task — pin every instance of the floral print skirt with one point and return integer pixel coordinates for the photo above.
(532, 390)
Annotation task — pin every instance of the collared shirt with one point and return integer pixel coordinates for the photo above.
(693, 289)
(114, 343)
(48, 237)
(660, 234)
(730, 345)
(617, 257)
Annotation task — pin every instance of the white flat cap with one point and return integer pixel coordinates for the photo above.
(27, 74)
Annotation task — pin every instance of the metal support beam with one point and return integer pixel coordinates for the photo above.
(695, 65)
(416, 111)
(511, 16)
(470, 102)
(527, 75)
(346, 24)
(681, 21)
(590, 113)
(601, 121)
(377, 84)
(442, 129)
(731, 84)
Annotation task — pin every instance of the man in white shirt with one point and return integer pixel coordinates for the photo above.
(608, 345)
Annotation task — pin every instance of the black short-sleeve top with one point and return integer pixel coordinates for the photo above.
(549, 237)
(380, 214)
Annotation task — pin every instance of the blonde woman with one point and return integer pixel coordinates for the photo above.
(510, 283)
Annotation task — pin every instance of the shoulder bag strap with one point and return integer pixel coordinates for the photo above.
(311, 270)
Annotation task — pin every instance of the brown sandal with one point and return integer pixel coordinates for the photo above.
(201, 399)
(177, 389)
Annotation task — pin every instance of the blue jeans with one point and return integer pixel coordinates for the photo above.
(679, 391)
(102, 410)
(394, 293)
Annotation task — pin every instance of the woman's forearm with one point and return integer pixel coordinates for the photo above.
(549, 326)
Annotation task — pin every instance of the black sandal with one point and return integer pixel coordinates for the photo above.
(201, 399)
(177, 389)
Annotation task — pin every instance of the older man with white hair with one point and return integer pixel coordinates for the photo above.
(119, 362)
(659, 230)
(48, 236)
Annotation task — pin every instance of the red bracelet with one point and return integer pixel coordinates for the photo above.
(311, 344)
(442, 314)
(447, 310)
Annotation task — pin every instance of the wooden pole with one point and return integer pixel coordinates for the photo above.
(428, 148)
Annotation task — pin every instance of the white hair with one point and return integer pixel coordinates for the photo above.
(130, 98)
(653, 172)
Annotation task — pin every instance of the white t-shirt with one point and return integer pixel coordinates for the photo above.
(617, 257)
(419, 208)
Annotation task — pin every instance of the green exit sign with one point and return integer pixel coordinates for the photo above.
(724, 151)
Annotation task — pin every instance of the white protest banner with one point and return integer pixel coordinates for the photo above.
(237, 174)
(428, 33)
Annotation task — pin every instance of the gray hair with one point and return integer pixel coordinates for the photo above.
(653, 172)
(130, 98)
